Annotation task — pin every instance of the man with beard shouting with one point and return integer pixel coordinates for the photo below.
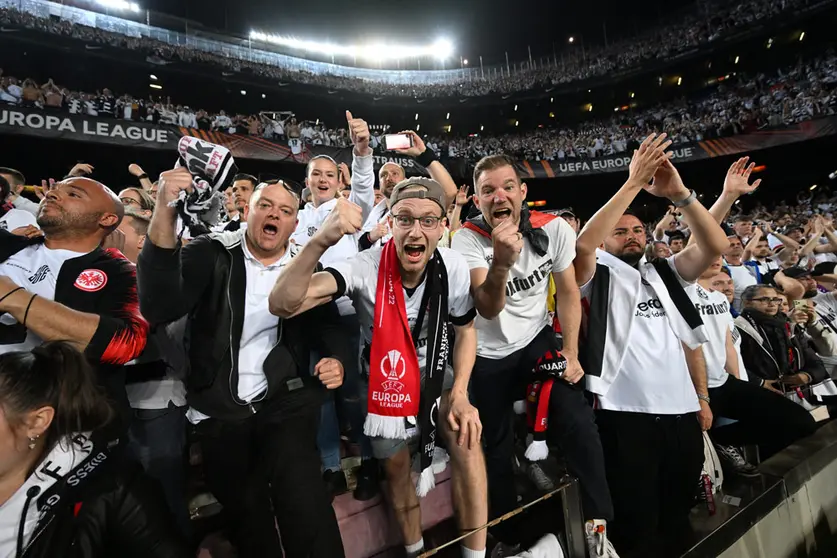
(406, 294)
(641, 330)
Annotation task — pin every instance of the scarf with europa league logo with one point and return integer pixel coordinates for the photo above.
(395, 392)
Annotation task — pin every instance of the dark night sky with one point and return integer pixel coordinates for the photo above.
(477, 27)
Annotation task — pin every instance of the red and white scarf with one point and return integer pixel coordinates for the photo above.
(395, 393)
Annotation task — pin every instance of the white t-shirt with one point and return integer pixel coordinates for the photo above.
(16, 218)
(714, 310)
(736, 340)
(525, 313)
(741, 279)
(654, 377)
(360, 275)
(35, 268)
(767, 265)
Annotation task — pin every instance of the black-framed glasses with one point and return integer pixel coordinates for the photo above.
(768, 300)
(130, 201)
(428, 222)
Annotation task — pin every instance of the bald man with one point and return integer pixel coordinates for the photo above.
(65, 285)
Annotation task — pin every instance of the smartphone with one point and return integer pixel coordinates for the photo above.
(397, 141)
(800, 305)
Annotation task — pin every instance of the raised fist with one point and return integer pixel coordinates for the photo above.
(345, 218)
(171, 183)
(508, 243)
(359, 132)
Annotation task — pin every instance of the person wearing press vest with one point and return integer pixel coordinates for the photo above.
(62, 285)
(323, 179)
(512, 253)
(640, 327)
(253, 401)
(406, 294)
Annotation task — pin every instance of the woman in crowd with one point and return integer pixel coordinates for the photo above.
(63, 491)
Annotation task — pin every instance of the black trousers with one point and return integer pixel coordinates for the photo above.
(653, 469)
(265, 471)
(495, 386)
(764, 417)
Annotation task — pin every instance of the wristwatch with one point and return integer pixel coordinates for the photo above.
(683, 203)
(703, 397)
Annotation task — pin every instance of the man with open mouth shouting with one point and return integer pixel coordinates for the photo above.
(511, 253)
(253, 401)
(406, 294)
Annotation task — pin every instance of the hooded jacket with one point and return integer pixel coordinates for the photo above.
(85, 500)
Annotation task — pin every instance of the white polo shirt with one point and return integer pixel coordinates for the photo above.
(741, 279)
(260, 331)
(525, 313)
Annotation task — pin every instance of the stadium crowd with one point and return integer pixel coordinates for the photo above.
(705, 23)
(741, 104)
(415, 321)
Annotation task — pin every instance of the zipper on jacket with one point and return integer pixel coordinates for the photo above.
(233, 394)
(278, 340)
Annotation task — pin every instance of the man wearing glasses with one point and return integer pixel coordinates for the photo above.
(406, 294)
(253, 402)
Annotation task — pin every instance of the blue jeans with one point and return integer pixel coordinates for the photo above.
(352, 404)
(157, 439)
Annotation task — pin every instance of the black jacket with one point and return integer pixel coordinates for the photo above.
(761, 364)
(206, 279)
(104, 507)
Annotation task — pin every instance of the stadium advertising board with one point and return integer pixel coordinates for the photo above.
(55, 125)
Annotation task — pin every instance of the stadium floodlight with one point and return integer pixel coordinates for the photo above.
(737, 58)
(152, 76)
(243, 92)
(447, 117)
(416, 116)
(264, 96)
(571, 40)
(374, 52)
(465, 61)
(812, 188)
(802, 35)
(482, 127)
(120, 5)
(155, 86)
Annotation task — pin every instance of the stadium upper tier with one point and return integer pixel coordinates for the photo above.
(166, 46)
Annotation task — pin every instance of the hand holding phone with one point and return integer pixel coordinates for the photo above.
(394, 142)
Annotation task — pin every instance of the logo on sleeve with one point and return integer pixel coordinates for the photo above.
(91, 280)
(39, 275)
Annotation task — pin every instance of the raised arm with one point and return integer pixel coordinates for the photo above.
(427, 158)
(171, 278)
(663, 225)
(736, 184)
(710, 239)
(141, 175)
(299, 288)
(363, 173)
(748, 250)
(650, 155)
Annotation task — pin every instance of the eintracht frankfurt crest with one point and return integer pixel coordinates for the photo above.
(394, 368)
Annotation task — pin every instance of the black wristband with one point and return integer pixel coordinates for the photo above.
(10, 293)
(143, 175)
(424, 159)
(28, 306)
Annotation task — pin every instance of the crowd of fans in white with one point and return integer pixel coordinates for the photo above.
(739, 105)
(702, 25)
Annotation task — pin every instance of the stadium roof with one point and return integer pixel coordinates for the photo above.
(487, 28)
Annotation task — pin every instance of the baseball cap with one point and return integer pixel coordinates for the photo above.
(824, 268)
(418, 188)
(797, 272)
(566, 213)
